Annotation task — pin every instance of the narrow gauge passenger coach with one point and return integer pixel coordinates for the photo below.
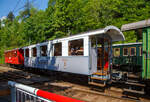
(128, 57)
(75, 54)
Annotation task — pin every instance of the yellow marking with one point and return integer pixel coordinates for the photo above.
(98, 78)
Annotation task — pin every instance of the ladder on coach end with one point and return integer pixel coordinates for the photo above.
(99, 79)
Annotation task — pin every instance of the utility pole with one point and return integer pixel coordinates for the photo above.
(28, 13)
(28, 8)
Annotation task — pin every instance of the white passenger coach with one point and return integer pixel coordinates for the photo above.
(77, 54)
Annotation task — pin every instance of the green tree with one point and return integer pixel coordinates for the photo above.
(10, 16)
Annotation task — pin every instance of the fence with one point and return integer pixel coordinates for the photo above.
(23, 93)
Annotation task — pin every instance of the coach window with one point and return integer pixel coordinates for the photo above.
(125, 51)
(76, 47)
(34, 52)
(27, 52)
(132, 51)
(116, 52)
(7, 54)
(58, 49)
(14, 53)
(43, 50)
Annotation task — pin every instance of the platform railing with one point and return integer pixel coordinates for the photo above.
(24, 93)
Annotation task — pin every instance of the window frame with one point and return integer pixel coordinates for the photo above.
(69, 54)
(114, 52)
(134, 50)
(41, 50)
(32, 53)
(54, 48)
(26, 53)
(14, 53)
(127, 50)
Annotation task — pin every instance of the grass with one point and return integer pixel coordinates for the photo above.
(2, 60)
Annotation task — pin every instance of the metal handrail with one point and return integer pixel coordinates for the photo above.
(24, 93)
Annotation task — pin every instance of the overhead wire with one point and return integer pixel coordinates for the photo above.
(16, 5)
(15, 8)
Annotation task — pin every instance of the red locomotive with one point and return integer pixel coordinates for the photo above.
(15, 56)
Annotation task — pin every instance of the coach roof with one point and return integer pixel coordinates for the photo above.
(136, 25)
(112, 31)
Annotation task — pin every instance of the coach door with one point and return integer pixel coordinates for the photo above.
(101, 47)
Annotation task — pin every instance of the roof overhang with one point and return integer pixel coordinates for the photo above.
(136, 25)
(114, 33)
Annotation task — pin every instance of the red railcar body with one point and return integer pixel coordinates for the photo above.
(15, 56)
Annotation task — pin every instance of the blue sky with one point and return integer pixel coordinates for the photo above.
(9, 5)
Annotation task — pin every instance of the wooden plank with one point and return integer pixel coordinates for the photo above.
(97, 84)
(133, 91)
(136, 84)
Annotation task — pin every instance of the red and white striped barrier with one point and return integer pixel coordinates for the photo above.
(41, 93)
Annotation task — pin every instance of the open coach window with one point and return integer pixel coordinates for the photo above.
(27, 52)
(43, 50)
(116, 52)
(132, 51)
(14, 53)
(34, 52)
(76, 47)
(8, 54)
(125, 51)
(57, 49)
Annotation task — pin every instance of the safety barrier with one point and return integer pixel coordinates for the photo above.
(23, 93)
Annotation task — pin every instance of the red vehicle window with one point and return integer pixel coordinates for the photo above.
(6, 54)
(14, 53)
(9, 54)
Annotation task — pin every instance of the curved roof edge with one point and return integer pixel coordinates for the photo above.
(114, 33)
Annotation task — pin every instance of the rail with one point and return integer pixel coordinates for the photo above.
(23, 93)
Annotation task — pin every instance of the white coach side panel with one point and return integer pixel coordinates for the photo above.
(86, 46)
(65, 48)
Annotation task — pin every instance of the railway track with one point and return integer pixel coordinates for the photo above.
(80, 91)
(86, 93)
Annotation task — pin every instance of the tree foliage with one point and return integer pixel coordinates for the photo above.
(68, 17)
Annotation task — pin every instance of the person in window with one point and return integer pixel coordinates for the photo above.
(79, 51)
(76, 50)
(73, 52)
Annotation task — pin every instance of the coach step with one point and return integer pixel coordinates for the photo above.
(100, 73)
(133, 91)
(135, 84)
(97, 84)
